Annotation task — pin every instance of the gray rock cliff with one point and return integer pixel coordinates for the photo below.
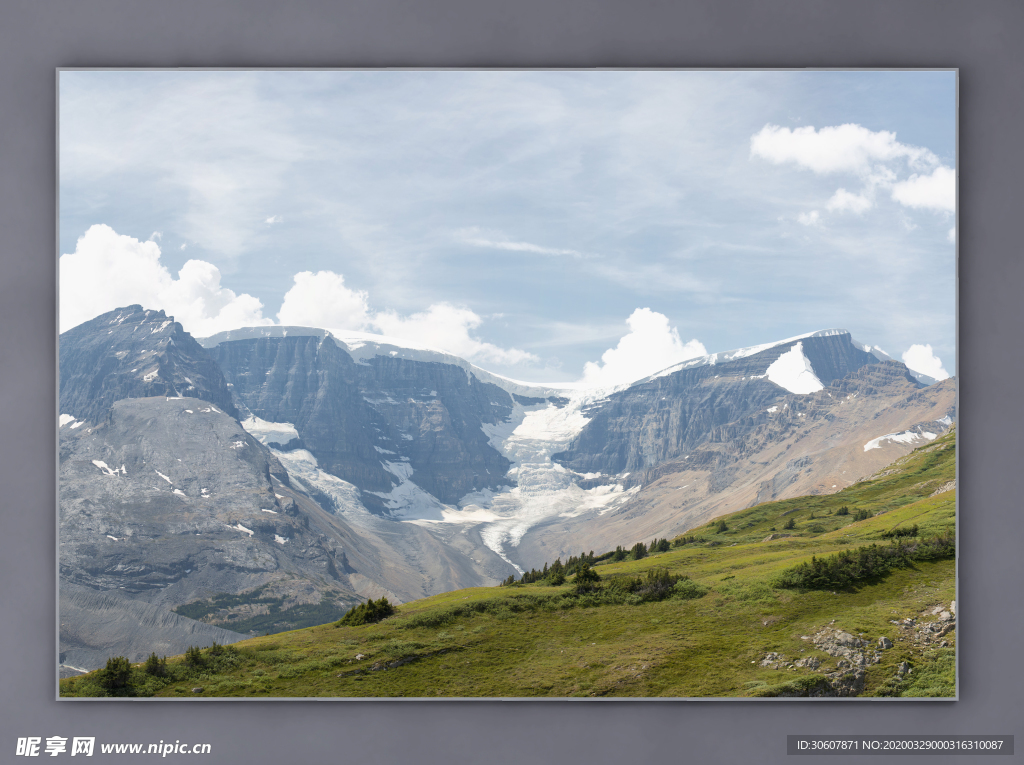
(355, 417)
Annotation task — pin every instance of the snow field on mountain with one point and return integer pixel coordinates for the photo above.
(269, 432)
(407, 501)
(304, 471)
(742, 353)
(792, 371)
(541, 488)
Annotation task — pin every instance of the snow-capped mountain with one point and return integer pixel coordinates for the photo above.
(391, 468)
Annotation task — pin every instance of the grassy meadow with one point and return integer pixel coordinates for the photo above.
(705, 637)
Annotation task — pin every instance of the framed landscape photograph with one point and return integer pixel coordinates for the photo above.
(507, 383)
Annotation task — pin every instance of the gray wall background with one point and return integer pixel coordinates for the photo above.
(982, 38)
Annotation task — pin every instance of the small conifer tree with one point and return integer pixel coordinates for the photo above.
(115, 678)
(586, 574)
(155, 666)
(194, 656)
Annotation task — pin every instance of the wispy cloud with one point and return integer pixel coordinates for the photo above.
(473, 237)
(844, 201)
(557, 198)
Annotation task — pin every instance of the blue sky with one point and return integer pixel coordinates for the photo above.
(523, 219)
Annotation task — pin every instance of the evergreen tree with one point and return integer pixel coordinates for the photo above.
(586, 574)
(194, 656)
(155, 666)
(115, 676)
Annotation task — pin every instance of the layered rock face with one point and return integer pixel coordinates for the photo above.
(134, 353)
(666, 417)
(357, 418)
(791, 445)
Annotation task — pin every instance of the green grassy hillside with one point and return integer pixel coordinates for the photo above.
(729, 629)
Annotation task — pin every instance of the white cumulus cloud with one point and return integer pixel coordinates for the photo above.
(448, 328)
(845, 201)
(323, 300)
(921, 359)
(650, 346)
(935, 191)
(108, 270)
(844, 148)
(951, 236)
(870, 155)
(809, 219)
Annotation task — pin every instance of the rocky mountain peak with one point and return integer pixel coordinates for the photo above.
(134, 352)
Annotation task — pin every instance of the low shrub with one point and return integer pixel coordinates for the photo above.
(910, 531)
(687, 589)
(370, 612)
(843, 569)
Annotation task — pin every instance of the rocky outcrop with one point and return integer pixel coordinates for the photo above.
(132, 352)
(849, 648)
(357, 417)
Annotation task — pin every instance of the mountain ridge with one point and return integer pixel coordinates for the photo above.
(391, 472)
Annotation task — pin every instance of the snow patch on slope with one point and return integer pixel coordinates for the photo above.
(269, 432)
(303, 469)
(407, 501)
(792, 371)
(906, 437)
(106, 470)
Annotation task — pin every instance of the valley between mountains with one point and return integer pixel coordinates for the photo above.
(271, 478)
